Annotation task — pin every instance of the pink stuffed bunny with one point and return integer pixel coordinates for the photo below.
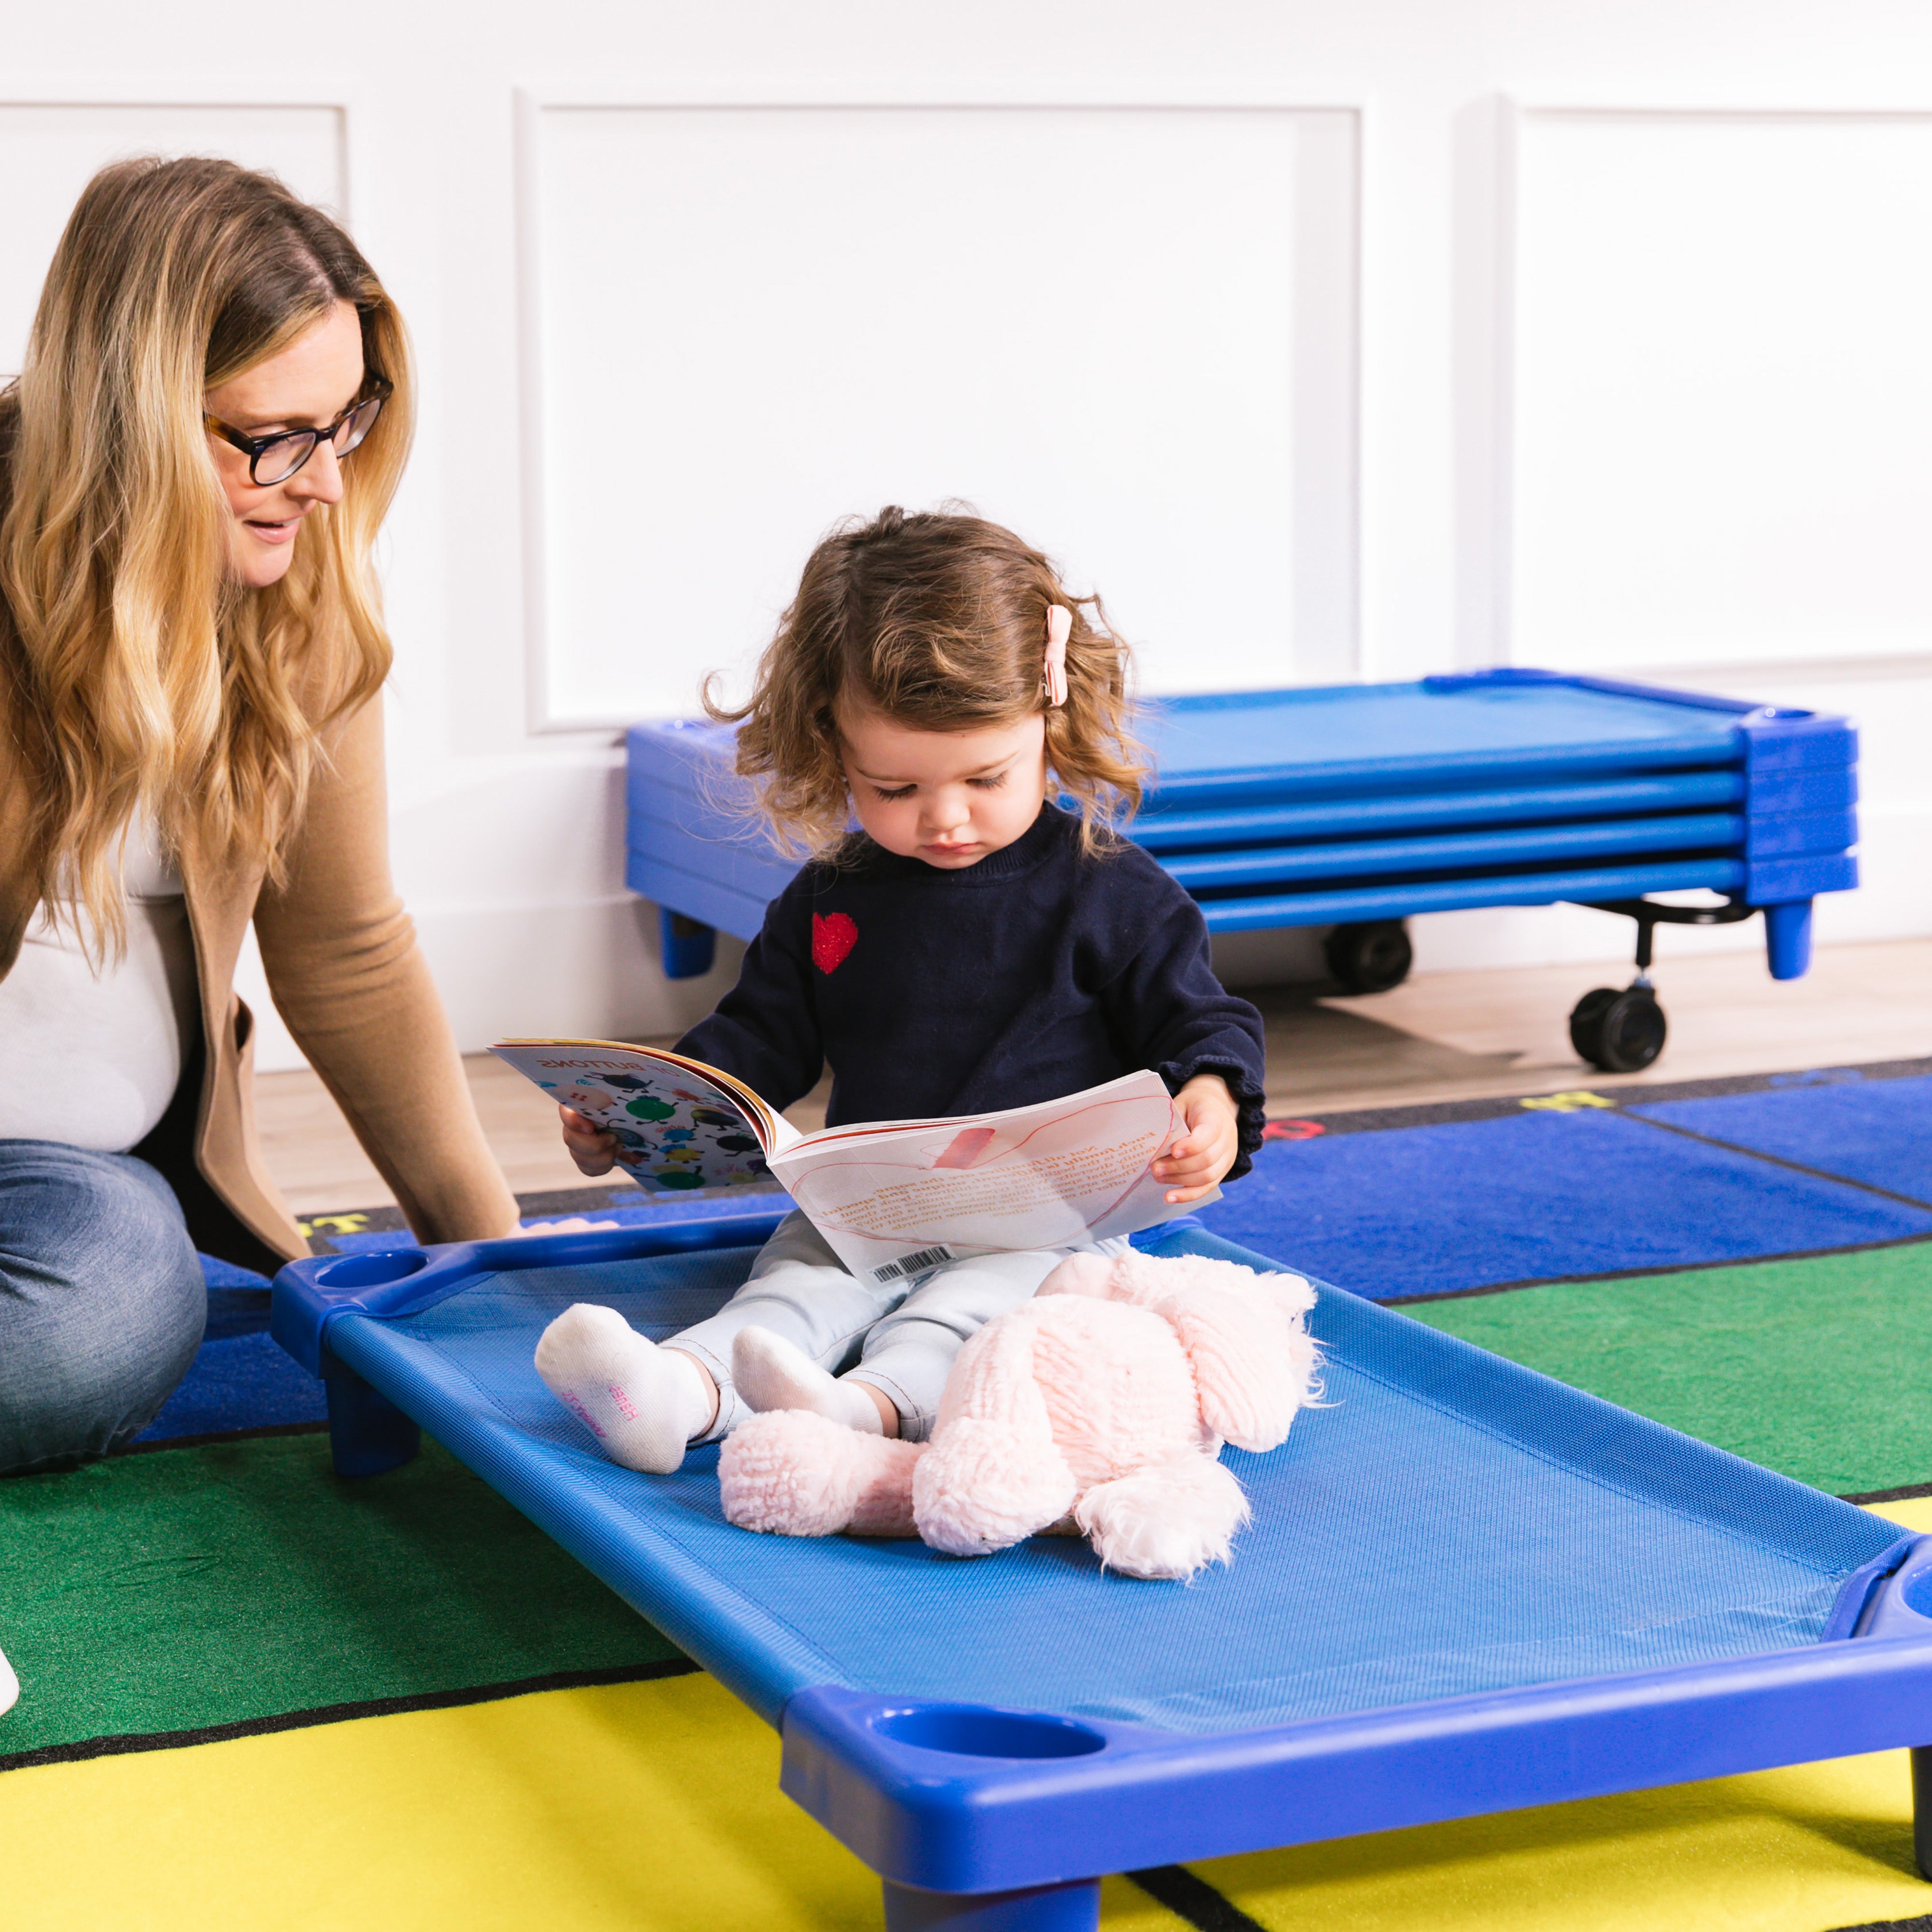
(1100, 1406)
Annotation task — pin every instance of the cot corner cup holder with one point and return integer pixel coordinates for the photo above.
(917, 1789)
(1900, 1605)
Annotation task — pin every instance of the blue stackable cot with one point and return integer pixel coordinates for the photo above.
(1354, 806)
(1466, 1589)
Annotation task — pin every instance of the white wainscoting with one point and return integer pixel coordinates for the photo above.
(1723, 395)
(49, 149)
(1127, 332)
(1376, 374)
(1713, 406)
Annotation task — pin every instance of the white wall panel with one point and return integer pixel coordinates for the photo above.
(1323, 303)
(1127, 333)
(48, 150)
(1723, 397)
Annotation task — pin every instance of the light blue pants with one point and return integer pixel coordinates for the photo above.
(102, 1301)
(903, 1341)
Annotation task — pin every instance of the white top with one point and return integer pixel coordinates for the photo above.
(91, 1058)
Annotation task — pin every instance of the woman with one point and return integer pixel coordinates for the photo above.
(213, 418)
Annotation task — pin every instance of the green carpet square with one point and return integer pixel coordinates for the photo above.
(182, 1588)
(1818, 1368)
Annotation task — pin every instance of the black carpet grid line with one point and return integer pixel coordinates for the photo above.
(1778, 1160)
(338, 1714)
(1194, 1900)
(1642, 1273)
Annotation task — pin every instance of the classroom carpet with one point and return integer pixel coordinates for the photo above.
(257, 1696)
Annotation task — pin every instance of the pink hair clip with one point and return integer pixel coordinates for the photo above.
(1059, 629)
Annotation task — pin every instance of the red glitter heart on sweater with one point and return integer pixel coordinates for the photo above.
(833, 935)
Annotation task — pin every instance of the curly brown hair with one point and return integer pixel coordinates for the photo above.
(938, 621)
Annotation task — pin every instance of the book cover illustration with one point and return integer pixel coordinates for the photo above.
(894, 1199)
(676, 1129)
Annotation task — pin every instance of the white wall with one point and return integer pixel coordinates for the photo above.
(1327, 341)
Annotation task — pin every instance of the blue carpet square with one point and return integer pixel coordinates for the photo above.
(238, 1381)
(1876, 1131)
(1429, 1210)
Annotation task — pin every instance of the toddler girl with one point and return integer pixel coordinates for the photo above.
(971, 947)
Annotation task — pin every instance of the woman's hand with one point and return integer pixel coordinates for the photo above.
(1206, 1151)
(594, 1150)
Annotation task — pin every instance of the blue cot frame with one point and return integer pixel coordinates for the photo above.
(1756, 803)
(985, 1819)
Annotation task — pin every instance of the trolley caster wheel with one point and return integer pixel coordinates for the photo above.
(1619, 1032)
(1370, 957)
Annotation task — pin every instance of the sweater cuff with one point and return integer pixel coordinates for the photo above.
(1250, 1100)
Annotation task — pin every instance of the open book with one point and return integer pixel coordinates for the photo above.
(894, 1198)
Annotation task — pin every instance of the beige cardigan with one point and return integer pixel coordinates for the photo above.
(347, 976)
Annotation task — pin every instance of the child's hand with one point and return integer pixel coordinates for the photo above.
(594, 1150)
(1206, 1151)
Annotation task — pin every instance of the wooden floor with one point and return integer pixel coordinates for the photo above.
(1446, 1036)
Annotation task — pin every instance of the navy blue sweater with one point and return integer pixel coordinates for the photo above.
(1034, 973)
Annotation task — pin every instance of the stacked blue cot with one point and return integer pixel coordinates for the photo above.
(1466, 1587)
(1354, 806)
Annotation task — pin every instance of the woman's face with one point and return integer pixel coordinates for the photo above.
(306, 386)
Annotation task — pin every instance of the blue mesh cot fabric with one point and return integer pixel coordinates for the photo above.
(1346, 737)
(1449, 1523)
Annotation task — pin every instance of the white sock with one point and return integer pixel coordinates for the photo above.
(768, 1372)
(642, 1403)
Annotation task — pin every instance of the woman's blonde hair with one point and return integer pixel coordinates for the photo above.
(136, 676)
(939, 622)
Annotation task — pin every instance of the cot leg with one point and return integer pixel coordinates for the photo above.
(1787, 938)
(689, 945)
(368, 1433)
(1049, 1908)
(1921, 1808)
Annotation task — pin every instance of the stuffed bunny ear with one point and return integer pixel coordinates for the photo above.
(992, 1473)
(1254, 1363)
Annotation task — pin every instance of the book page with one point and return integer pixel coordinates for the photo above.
(679, 1124)
(898, 1202)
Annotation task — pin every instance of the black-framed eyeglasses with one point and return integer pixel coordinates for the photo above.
(275, 459)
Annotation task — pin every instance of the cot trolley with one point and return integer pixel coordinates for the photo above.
(1467, 1589)
(1354, 806)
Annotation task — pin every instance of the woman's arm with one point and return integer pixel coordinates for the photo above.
(348, 977)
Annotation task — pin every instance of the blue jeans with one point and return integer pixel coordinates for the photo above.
(102, 1301)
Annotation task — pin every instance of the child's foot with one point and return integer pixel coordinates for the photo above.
(642, 1403)
(770, 1372)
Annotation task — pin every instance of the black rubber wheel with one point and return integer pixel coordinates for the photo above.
(1369, 958)
(1619, 1032)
